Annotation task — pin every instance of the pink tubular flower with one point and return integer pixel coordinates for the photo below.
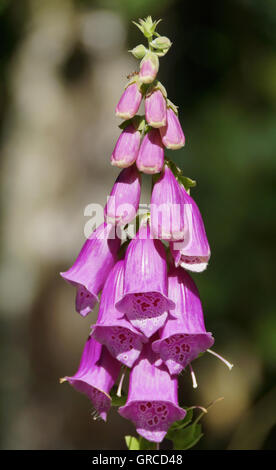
(118, 335)
(148, 68)
(156, 109)
(193, 253)
(126, 149)
(129, 102)
(184, 335)
(145, 301)
(166, 209)
(123, 202)
(152, 403)
(96, 375)
(97, 256)
(172, 134)
(151, 153)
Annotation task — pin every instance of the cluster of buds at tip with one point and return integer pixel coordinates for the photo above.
(150, 315)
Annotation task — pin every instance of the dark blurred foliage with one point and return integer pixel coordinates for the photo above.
(221, 72)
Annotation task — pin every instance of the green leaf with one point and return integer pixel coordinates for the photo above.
(132, 443)
(177, 425)
(185, 438)
(146, 445)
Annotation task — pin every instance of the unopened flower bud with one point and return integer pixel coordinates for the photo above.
(161, 43)
(150, 158)
(126, 148)
(156, 109)
(172, 134)
(149, 68)
(139, 51)
(123, 202)
(129, 102)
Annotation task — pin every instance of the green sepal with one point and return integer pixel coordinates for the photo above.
(156, 85)
(183, 180)
(147, 26)
(173, 167)
(124, 124)
(137, 121)
(134, 78)
(186, 182)
(161, 54)
(171, 105)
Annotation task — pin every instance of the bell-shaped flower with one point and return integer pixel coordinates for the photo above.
(152, 403)
(145, 296)
(127, 146)
(96, 258)
(112, 329)
(130, 101)
(166, 209)
(151, 153)
(148, 68)
(156, 109)
(172, 134)
(96, 375)
(184, 335)
(193, 252)
(123, 202)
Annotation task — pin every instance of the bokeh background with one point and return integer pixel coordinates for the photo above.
(63, 65)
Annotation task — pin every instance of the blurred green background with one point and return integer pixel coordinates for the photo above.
(63, 65)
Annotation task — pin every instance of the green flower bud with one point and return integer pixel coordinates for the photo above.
(147, 26)
(161, 43)
(139, 51)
